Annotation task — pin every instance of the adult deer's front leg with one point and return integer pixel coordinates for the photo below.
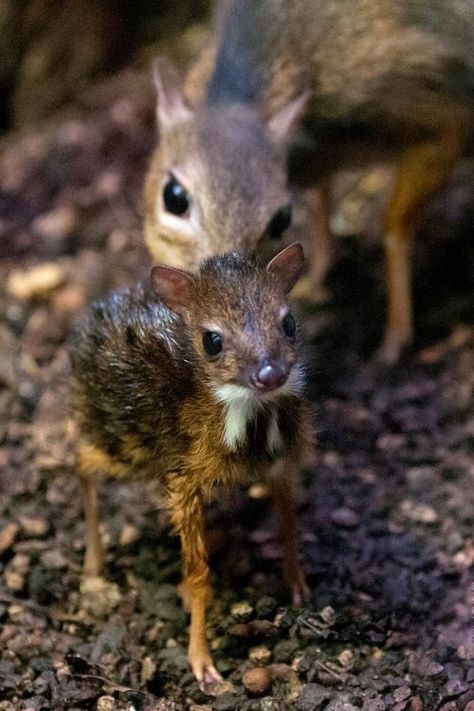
(188, 520)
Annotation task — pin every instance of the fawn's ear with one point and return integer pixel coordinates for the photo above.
(171, 106)
(174, 287)
(284, 122)
(287, 266)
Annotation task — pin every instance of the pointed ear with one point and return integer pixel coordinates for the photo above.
(282, 124)
(287, 266)
(174, 287)
(171, 107)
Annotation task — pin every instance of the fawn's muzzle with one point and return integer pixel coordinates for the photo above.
(269, 375)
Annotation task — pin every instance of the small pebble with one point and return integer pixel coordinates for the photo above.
(434, 669)
(148, 669)
(129, 534)
(20, 563)
(226, 702)
(59, 222)
(39, 281)
(420, 513)
(53, 559)
(69, 299)
(281, 672)
(401, 693)
(416, 704)
(257, 681)
(401, 706)
(346, 658)
(34, 527)
(469, 706)
(7, 536)
(328, 615)
(15, 581)
(312, 697)
(222, 687)
(260, 654)
(240, 630)
(344, 517)
(241, 609)
(106, 703)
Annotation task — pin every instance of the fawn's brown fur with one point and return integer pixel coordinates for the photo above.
(385, 79)
(150, 401)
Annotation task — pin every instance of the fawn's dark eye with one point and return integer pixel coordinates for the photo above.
(280, 222)
(175, 197)
(289, 325)
(212, 342)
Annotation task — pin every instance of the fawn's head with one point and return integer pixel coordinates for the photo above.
(239, 321)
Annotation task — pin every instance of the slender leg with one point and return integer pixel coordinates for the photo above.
(94, 559)
(321, 244)
(285, 509)
(318, 201)
(188, 520)
(421, 171)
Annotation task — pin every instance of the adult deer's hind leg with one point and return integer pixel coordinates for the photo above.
(422, 170)
(321, 243)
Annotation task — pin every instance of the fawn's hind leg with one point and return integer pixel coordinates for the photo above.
(281, 486)
(421, 171)
(94, 558)
(86, 461)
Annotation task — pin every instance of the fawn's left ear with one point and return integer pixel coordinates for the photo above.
(175, 288)
(287, 266)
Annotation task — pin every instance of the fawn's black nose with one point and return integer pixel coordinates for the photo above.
(269, 375)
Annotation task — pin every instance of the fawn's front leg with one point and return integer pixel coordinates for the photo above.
(281, 486)
(187, 517)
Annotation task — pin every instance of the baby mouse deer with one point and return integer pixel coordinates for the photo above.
(193, 380)
(364, 81)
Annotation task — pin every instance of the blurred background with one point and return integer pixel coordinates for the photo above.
(387, 513)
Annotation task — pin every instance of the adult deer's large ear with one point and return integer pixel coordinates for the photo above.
(287, 266)
(284, 122)
(171, 106)
(175, 288)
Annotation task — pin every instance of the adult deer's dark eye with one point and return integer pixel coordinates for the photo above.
(289, 325)
(212, 342)
(280, 222)
(175, 197)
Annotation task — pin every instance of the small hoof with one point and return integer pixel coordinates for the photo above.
(206, 673)
(300, 592)
(394, 345)
(300, 595)
(98, 596)
(203, 667)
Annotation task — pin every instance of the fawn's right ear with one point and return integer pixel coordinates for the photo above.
(287, 266)
(283, 124)
(174, 287)
(171, 106)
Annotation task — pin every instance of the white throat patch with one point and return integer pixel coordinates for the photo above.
(240, 405)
